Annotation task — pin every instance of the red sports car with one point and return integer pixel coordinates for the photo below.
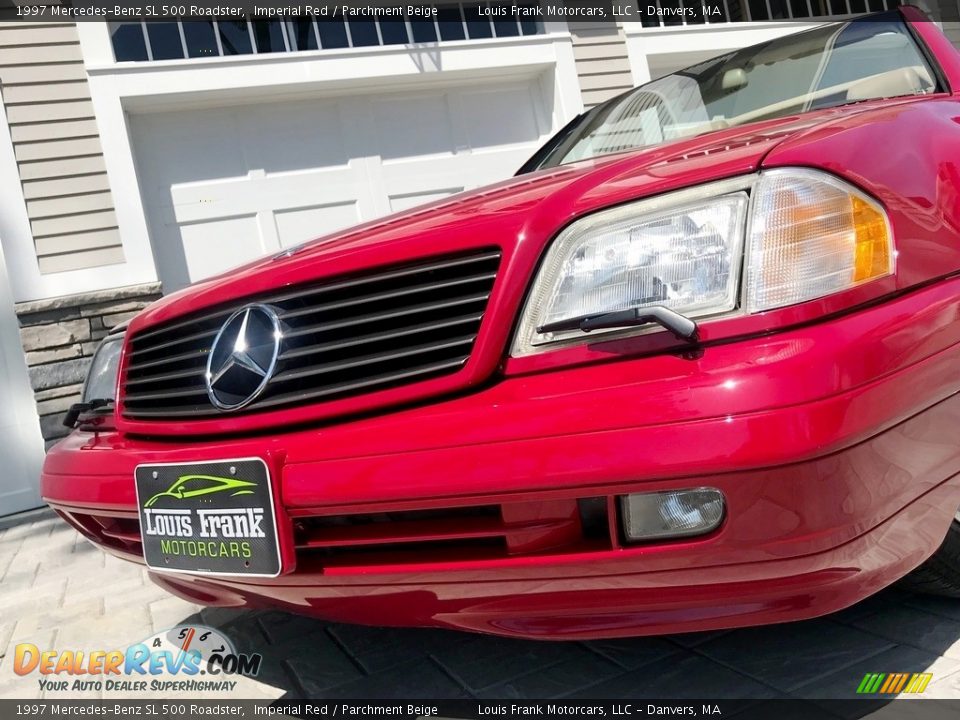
(696, 366)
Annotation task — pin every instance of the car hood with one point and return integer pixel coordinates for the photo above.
(522, 212)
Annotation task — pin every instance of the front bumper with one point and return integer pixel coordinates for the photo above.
(834, 445)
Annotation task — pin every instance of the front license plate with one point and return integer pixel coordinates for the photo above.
(211, 518)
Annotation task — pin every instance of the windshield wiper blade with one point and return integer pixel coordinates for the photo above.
(683, 328)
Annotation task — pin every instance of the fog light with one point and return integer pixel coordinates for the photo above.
(671, 514)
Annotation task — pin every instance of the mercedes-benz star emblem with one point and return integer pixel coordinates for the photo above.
(243, 357)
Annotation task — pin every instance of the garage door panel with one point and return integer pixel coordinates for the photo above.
(175, 148)
(193, 202)
(293, 136)
(467, 171)
(405, 201)
(297, 225)
(413, 126)
(501, 116)
(213, 247)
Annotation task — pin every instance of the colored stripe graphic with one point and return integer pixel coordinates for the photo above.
(894, 683)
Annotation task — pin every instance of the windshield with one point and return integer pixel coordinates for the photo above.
(836, 64)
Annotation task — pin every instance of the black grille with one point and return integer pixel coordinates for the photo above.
(342, 337)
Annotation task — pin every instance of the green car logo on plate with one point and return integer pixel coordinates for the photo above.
(188, 486)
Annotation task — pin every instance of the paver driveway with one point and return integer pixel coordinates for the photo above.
(58, 591)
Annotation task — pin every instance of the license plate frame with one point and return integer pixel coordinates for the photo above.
(218, 515)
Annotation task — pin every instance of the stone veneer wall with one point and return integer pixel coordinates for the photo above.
(59, 337)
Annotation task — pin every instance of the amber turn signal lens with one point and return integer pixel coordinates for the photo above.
(872, 255)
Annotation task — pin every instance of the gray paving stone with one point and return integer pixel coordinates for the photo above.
(795, 653)
(318, 664)
(82, 568)
(6, 632)
(280, 627)
(170, 612)
(689, 640)
(422, 679)
(123, 592)
(556, 681)
(910, 626)
(30, 531)
(46, 618)
(220, 616)
(487, 661)
(47, 590)
(115, 630)
(376, 649)
(19, 576)
(633, 653)
(692, 677)
(881, 602)
(944, 607)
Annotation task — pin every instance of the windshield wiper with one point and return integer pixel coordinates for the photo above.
(78, 409)
(683, 328)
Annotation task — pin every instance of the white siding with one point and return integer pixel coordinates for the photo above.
(603, 68)
(57, 146)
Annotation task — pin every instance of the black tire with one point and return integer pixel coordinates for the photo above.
(940, 575)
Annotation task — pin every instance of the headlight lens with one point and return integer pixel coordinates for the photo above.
(101, 382)
(807, 234)
(685, 257)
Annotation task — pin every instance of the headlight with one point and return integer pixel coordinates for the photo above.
(807, 234)
(101, 383)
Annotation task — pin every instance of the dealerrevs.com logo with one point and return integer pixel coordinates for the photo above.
(187, 658)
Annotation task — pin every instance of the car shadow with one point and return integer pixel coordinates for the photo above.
(822, 661)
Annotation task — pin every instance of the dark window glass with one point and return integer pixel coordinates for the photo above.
(235, 37)
(423, 31)
(201, 40)
(758, 10)
(301, 35)
(530, 25)
(165, 40)
(333, 34)
(128, 42)
(269, 36)
(697, 17)
(394, 32)
(478, 26)
(363, 33)
(722, 17)
(673, 18)
(506, 27)
(450, 23)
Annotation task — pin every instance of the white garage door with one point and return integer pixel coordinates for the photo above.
(21, 446)
(223, 186)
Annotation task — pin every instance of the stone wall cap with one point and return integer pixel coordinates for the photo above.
(30, 307)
